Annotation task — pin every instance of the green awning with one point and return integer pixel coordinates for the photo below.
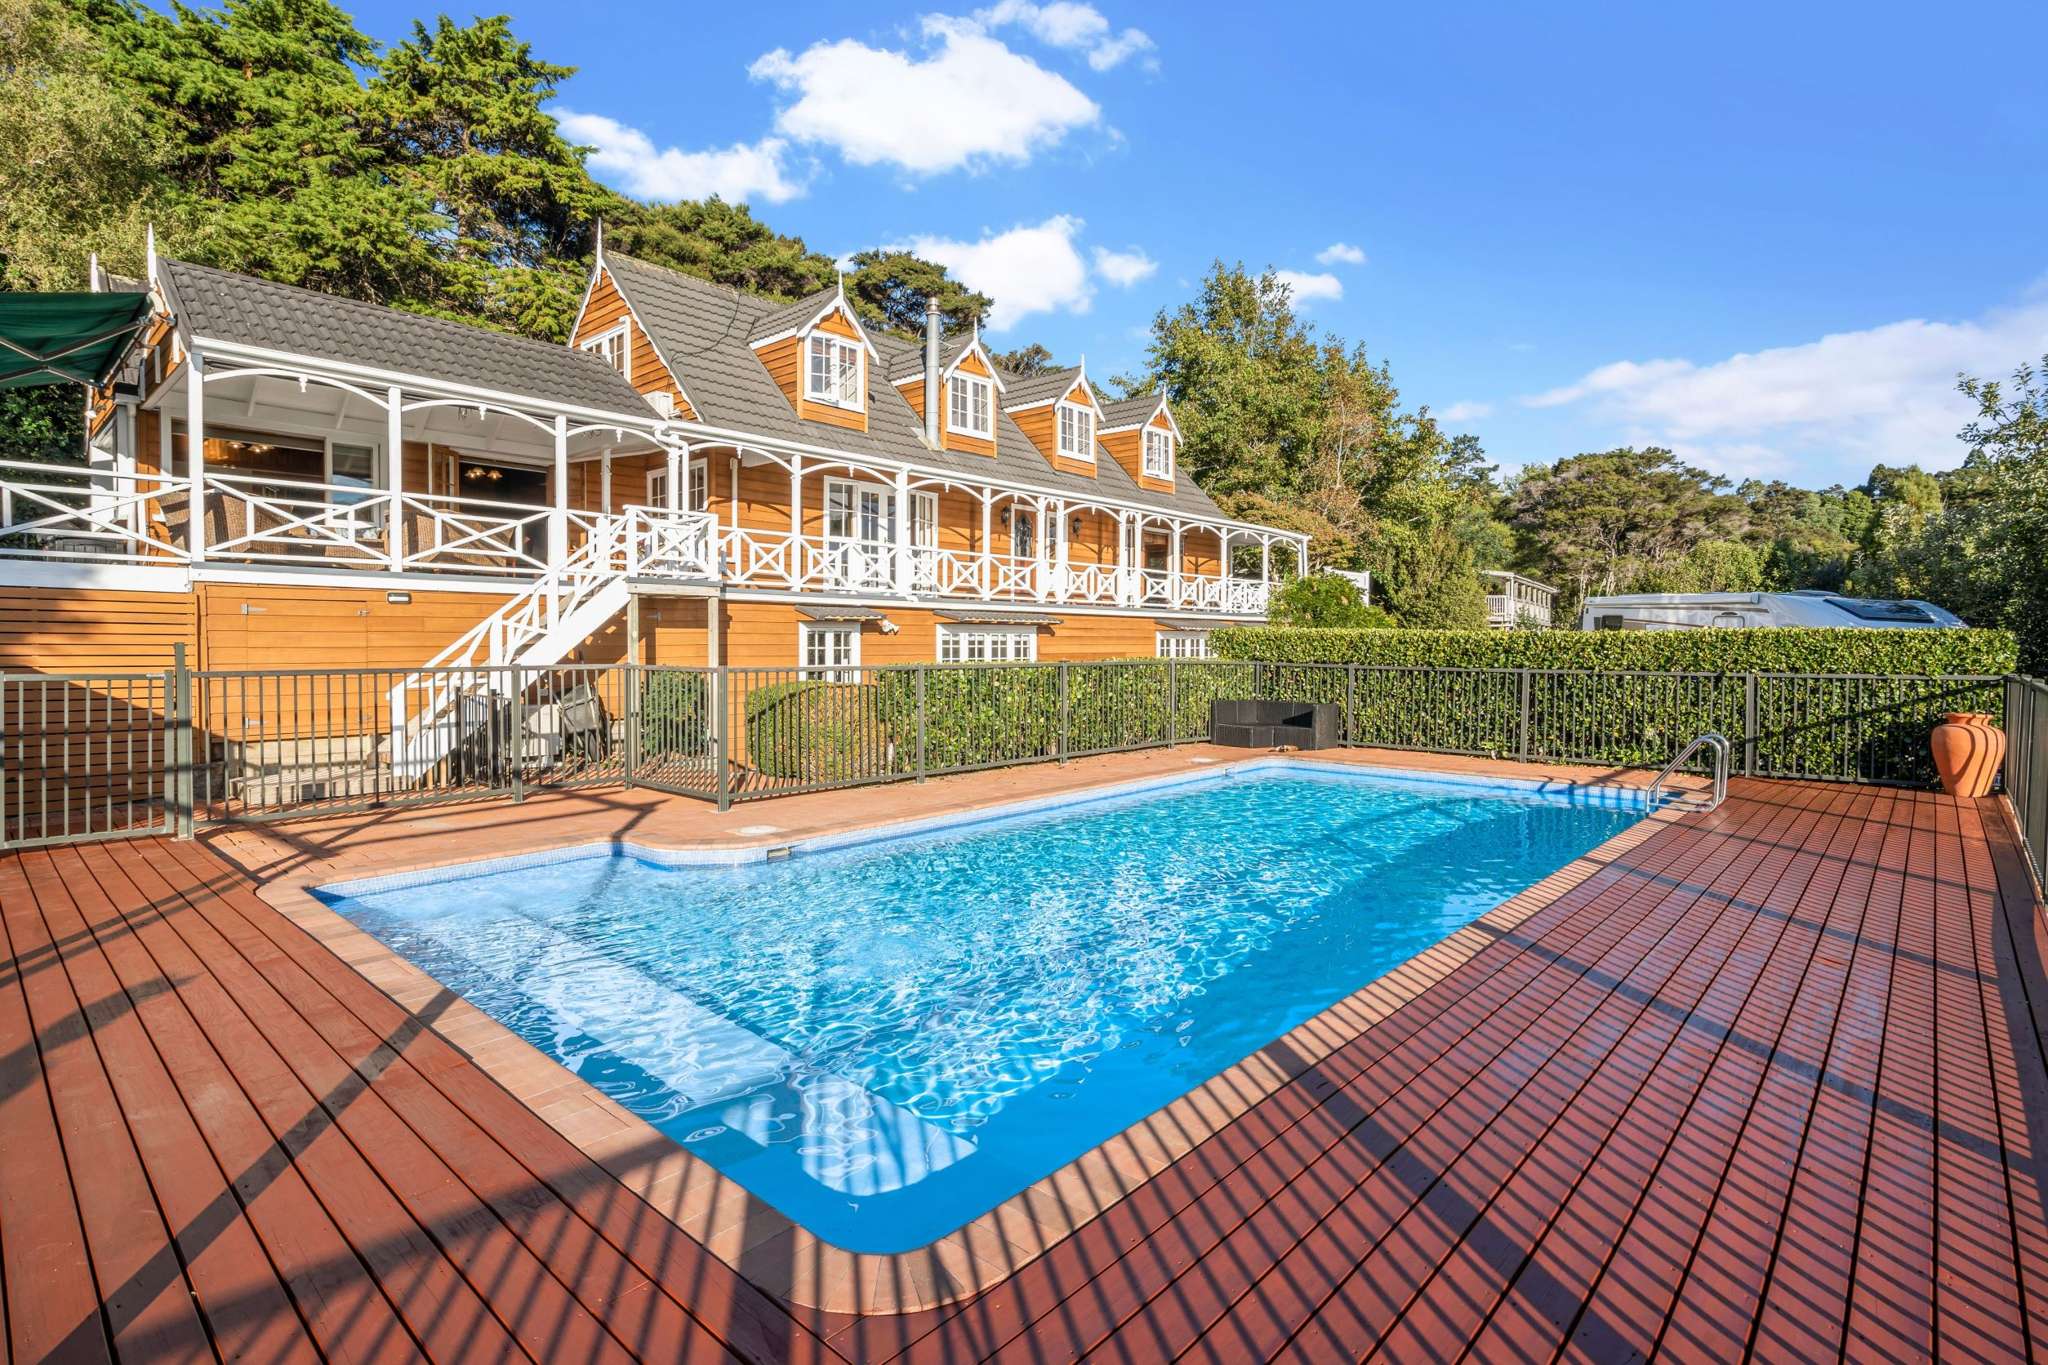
(66, 338)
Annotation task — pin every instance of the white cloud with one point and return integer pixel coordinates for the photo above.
(1465, 412)
(1124, 268)
(1307, 288)
(1340, 253)
(968, 101)
(1065, 24)
(1831, 407)
(740, 173)
(1031, 268)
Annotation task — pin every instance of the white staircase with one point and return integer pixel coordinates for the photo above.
(452, 695)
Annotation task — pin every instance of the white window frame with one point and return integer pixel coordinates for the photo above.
(977, 644)
(696, 486)
(837, 351)
(1182, 644)
(614, 346)
(374, 517)
(971, 392)
(826, 668)
(1162, 469)
(1082, 418)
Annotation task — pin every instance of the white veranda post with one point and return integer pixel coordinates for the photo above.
(903, 575)
(558, 517)
(672, 497)
(394, 475)
(195, 451)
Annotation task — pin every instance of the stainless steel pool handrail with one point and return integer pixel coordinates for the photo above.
(1709, 740)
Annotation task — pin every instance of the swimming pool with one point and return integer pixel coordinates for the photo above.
(886, 1040)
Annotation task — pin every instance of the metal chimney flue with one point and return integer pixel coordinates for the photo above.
(932, 396)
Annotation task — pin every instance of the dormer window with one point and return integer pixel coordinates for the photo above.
(612, 348)
(834, 372)
(969, 406)
(1158, 454)
(1077, 432)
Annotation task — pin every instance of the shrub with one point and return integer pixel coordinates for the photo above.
(1326, 601)
(817, 731)
(675, 715)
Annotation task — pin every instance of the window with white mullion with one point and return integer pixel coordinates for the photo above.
(613, 348)
(968, 406)
(833, 374)
(831, 653)
(1077, 432)
(1183, 644)
(987, 644)
(1158, 453)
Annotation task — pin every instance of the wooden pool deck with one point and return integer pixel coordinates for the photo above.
(1767, 1082)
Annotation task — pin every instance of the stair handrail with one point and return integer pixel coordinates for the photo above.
(1710, 739)
(506, 632)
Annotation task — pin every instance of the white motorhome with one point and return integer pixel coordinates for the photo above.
(1806, 607)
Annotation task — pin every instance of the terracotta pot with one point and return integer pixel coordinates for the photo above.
(1967, 751)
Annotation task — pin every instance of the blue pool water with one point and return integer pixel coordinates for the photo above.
(886, 1041)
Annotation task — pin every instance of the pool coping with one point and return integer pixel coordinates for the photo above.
(782, 1257)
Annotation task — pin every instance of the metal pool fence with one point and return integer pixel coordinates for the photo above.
(86, 756)
(2026, 765)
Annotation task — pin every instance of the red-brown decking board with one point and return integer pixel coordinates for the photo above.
(1771, 1083)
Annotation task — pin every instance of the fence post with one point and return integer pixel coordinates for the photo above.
(181, 744)
(633, 681)
(1749, 725)
(721, 688)
(1522, 725)
(1172, 701)
(1351, 703)
(1066, 715)
(920, 722)
(516, 728)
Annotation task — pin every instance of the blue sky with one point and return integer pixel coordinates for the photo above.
(1768, 235)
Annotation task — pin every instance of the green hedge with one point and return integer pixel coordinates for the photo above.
(981, 715)
(1633, 698)
(1792, 650)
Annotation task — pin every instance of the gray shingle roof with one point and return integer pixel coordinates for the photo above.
(794, 316)
(1126, 412)
(702, 331)
(910, 363)
(225, 306)
(1039, 388)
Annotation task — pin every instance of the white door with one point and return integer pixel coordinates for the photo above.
(860, 526)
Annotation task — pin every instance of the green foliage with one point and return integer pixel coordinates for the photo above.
(1710, 566)
(893, 287)
(77, 163)
(675, 715)
(1794, 650)
(815, 732)
(1976, 545)
(457, 112)
(720, 242)
(271, 136)
(1596, 524)
(1326, 600)
(1635, 697)
(42, 424)
(1027, 361)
